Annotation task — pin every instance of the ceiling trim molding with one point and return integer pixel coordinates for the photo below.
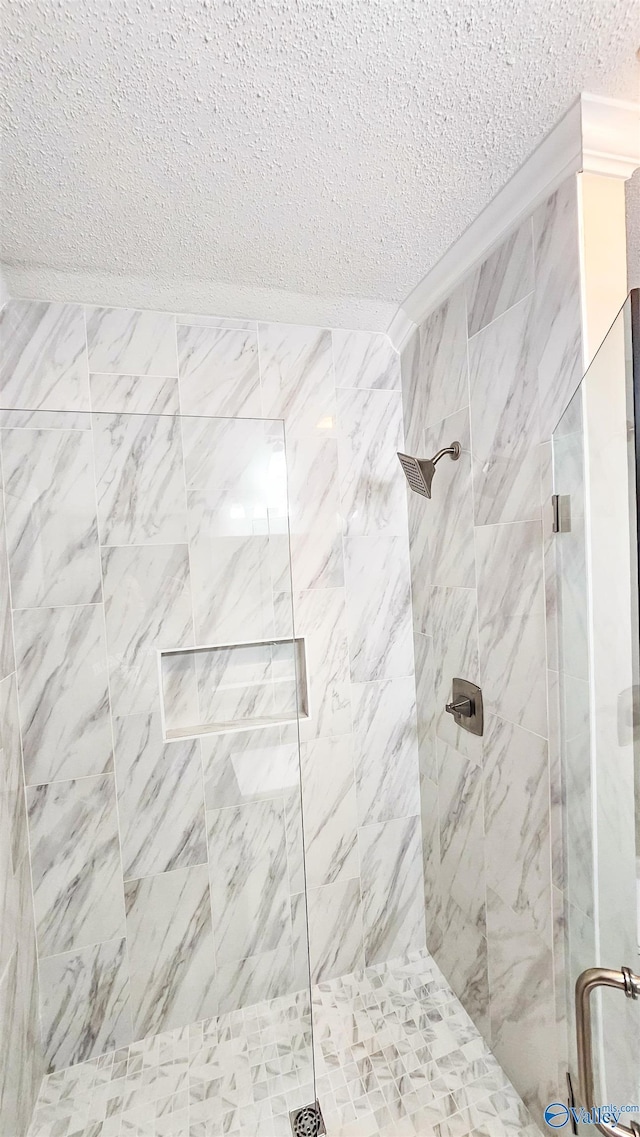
(597, 135)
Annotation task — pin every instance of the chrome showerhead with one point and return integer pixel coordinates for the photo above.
(419, 471)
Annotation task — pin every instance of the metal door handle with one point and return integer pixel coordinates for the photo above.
(625, 981)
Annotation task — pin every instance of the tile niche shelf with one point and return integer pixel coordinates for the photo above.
(224, 688)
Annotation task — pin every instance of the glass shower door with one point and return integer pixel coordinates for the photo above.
(160, 683)
(595, 464)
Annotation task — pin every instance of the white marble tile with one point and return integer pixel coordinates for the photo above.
(372, 485)
(160, 799)
(512, 623)
(314, 513)
(231, 580)
(443, 359)
(246, 982)
(219, 371)
(297, 377)
(239, 466)
(329, 810)
(392, 888)
(453, 624)
(516, 809)
(441, 529)
(7, 657)
(61, 658)
(385, 749)
(425, 706)
(248, 872)
(11, 775)
(504, 278)
(575, 732)
(128, 341)
(365, 359)
(320, 616)
(461, 843)
(570, 597)
(413, 394)
(462, 954)
(504, 419)
(431, 859)
(147, 606)
(45, 420)
(522, 1007)
(75, 863)
(244, 683)
(557, 314)
(170, 944)
(295, 837)
(135, 394)
(249, 765)
(378, 608)
(139, 479)
(21, 1061)
(52, 535)
(84, 1003)
(44, 356)
(335, 930)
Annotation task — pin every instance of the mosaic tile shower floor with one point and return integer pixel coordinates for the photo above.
(395, 1051)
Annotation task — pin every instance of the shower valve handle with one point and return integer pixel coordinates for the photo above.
(464, 707)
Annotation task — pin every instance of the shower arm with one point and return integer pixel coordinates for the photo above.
(454, 451)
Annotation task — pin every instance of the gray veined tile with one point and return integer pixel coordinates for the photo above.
(52, 535)
(392, 888)
(329, 809)
(512, 623)
(239, 468)
(135, 394)
(430, 824)
(231, 580)
(557, 312)
(171, 957)
(11, 776)
(516, 807)
(443, 359)
(314, 513)
(75, 863)
(64, 694)
(504, 419)
(219, 371)
(44, 356)
(461, 838)
(297, 377)
(385, 749)
(205, 321)
(247, 765)
(132, 342)
(425, 706)
(160, 799)
(320, 616)
(245, 982)
(7, 658)
(522, 1004)
(365, 359)
(413, 394)
(335, 930)
(505, 277)
(139, 479)
(452, 621)
(22, 1065)
(378, 607)
(84, 1003)
(372, 485)
(248, 876)
(147, 606)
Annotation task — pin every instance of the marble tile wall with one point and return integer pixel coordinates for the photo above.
(21, 1060)
(169, 878)
(494, 367)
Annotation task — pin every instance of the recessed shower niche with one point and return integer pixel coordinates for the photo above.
(222, 688)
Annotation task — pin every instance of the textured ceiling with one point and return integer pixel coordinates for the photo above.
(323, 147)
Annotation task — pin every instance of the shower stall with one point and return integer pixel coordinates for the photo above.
(209, 702)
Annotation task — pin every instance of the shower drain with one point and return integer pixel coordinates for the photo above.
(307, 1122)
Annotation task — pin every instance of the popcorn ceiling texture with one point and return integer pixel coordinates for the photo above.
(327, 148)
